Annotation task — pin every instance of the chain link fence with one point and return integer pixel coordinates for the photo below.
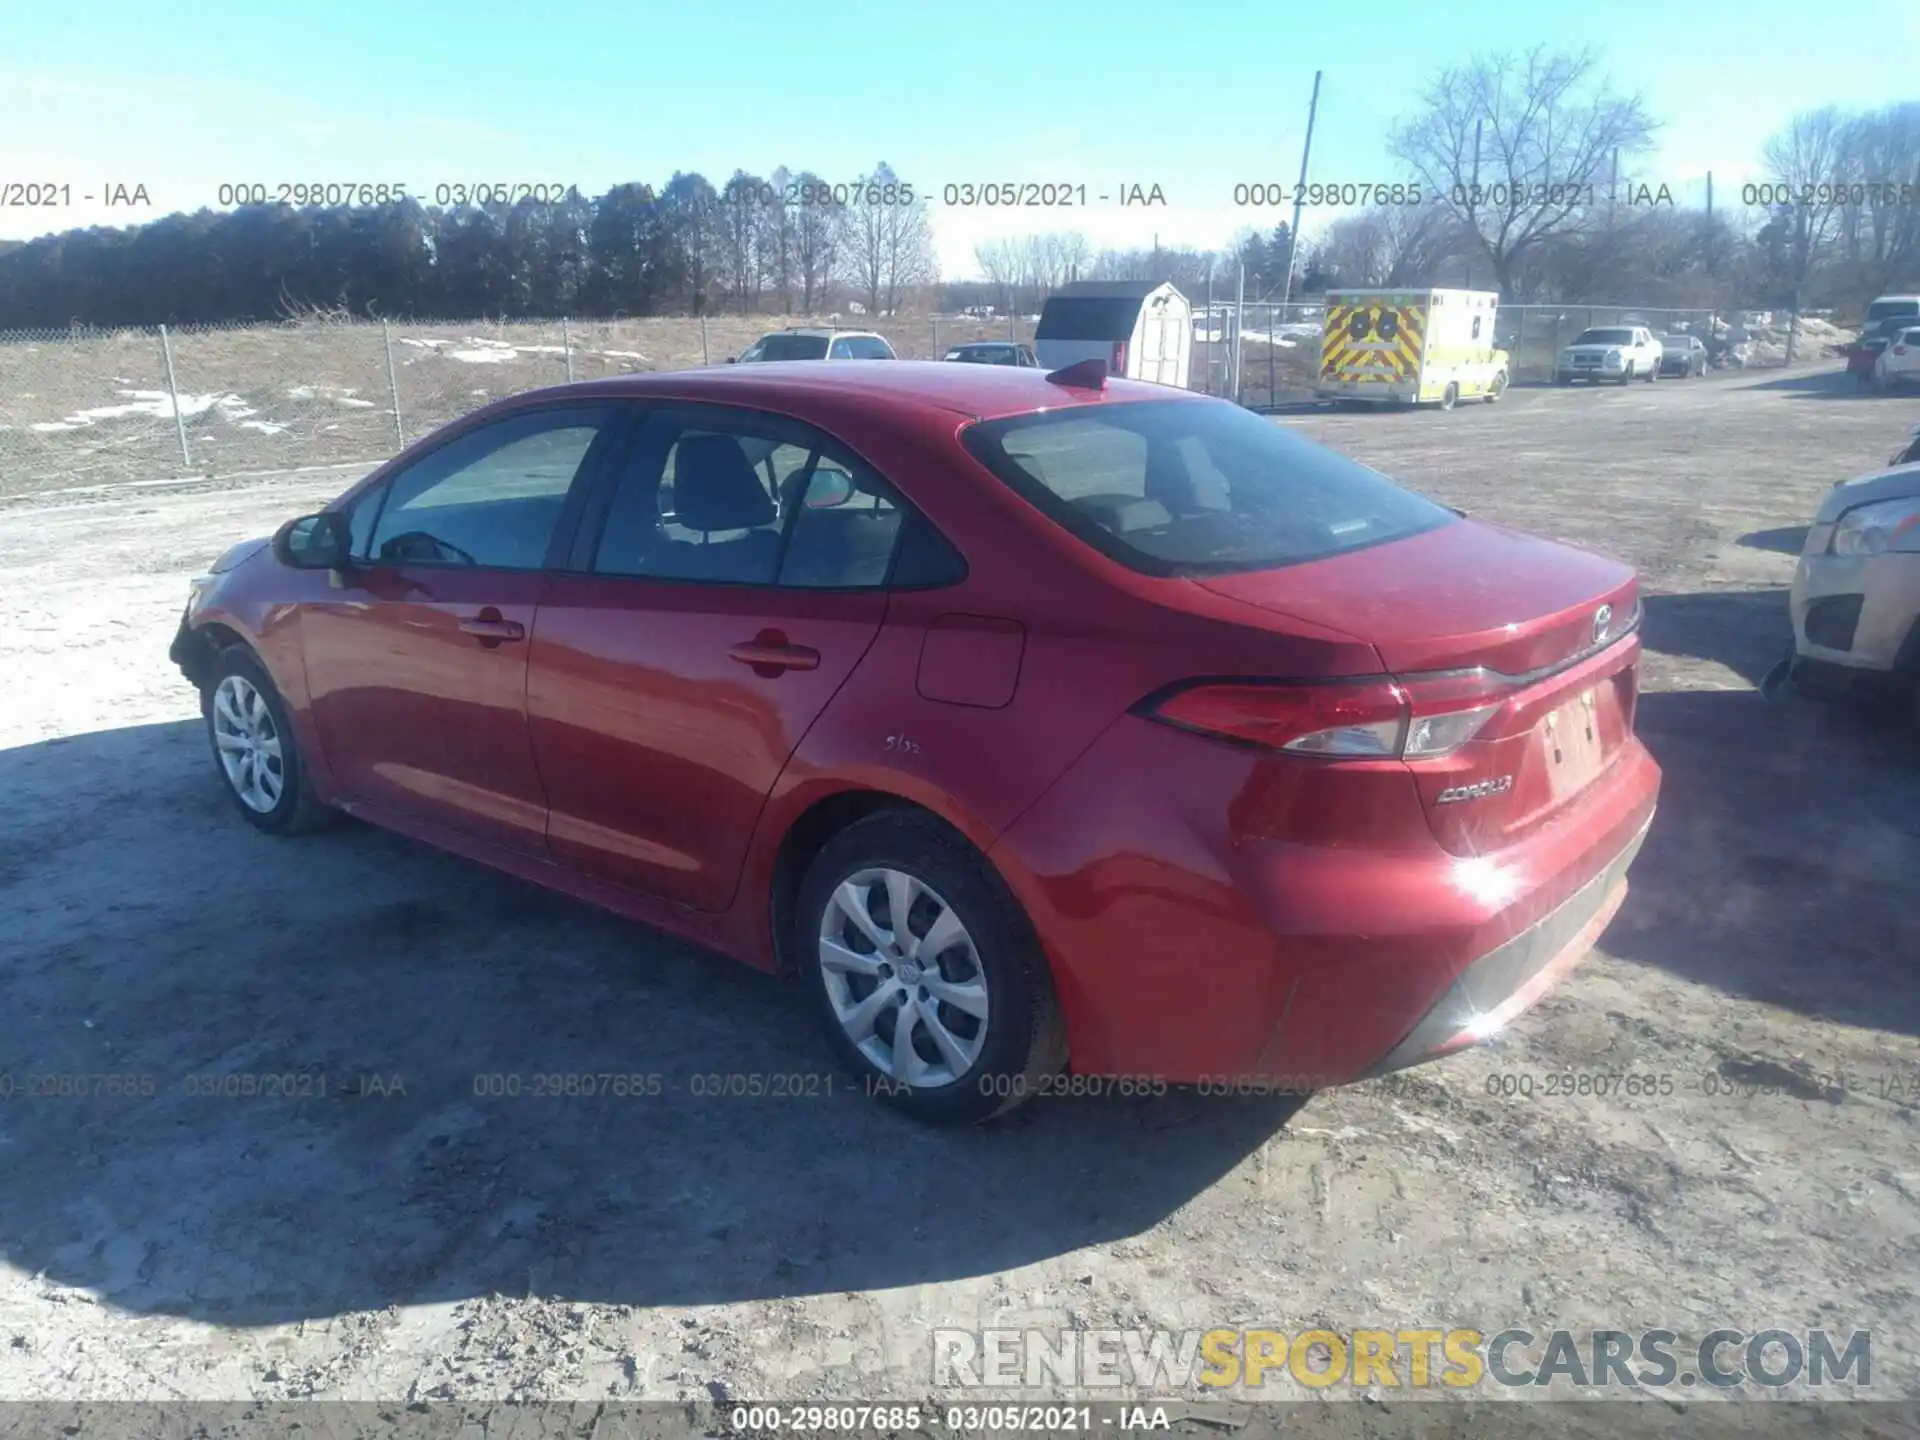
(89, 407)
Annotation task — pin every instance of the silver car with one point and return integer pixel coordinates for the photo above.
(1856, 590)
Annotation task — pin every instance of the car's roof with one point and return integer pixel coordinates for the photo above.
(829, 330)
(976, 391)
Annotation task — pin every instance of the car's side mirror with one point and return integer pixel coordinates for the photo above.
(315, 542)
(829, 490)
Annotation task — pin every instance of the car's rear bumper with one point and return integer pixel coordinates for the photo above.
(1507, 981)
(1188, 945)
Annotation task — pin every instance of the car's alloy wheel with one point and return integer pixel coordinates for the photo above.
(248, 744)
(254, 746)
(927, 974)
(903, 978)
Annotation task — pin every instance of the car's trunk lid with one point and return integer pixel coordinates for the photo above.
(1542, 629)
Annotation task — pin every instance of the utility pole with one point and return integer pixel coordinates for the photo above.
(1473, 192)
(1293, 233)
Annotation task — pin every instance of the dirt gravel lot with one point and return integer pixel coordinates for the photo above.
(401, 1237)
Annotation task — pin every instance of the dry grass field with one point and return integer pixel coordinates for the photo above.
(95, 409)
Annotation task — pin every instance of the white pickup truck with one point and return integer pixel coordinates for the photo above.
(1611, 352)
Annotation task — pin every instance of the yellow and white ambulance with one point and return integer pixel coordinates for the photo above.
(1412, 347)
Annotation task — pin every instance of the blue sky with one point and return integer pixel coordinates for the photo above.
(1193, 97)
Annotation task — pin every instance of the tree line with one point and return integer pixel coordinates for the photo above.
(1518, 158)
(786, 241)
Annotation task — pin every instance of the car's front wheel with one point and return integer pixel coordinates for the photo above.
(254, 748)
(927, 975)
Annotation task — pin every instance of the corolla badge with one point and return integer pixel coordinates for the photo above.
(1602, 622)
(1479, 790)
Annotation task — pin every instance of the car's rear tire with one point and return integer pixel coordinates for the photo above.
(254, 749)
(954, 1035)
(1498, 387)
(1450, 396)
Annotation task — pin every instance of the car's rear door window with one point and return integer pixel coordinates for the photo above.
(1182, 487)
(867, 347)
(748, 500)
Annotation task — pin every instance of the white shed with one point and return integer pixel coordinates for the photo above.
(1143, 329)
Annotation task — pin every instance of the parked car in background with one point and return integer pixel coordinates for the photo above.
(1898, 363)
(1855, 599)
(1253, 786)
(1682, 355)
(1863, 356)
(1893, 307)
(1610, 352)
(806, 342)
(993, 352)
(1909, 452)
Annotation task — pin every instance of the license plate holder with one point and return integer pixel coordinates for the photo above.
(1571, 738)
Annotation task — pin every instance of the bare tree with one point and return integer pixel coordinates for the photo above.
(999, 262)
(1391, 245)
(1519, 147)
(816, 237)
(1808, 156)
(887, 244)
(1879, 221)
(739, 227)
(776, 238)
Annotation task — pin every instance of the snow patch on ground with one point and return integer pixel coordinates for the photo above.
(154, 404)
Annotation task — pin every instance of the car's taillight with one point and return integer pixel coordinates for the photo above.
(1899, 349)
(1117, 362)
(1353, 719)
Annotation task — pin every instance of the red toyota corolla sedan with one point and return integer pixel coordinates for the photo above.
(1041, 725)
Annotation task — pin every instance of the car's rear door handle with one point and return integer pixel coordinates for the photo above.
(762, 655)
(489, 628)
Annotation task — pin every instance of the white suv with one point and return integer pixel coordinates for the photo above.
(1899, 363)
(1610, 352)
(805, 342)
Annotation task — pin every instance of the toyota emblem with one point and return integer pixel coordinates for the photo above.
(1602, 618)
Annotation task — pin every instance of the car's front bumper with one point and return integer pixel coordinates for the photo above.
(1855, 612)
(191, 652)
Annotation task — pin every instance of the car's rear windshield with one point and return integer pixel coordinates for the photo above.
(1087, 317)
(1604, 337)
(1887, 309)
(1184, 487)
(793, 347)
(987, 354)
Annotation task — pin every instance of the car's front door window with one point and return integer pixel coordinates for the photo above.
(491, 498)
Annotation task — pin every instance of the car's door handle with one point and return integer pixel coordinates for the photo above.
(490, 629)
(762, 655)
